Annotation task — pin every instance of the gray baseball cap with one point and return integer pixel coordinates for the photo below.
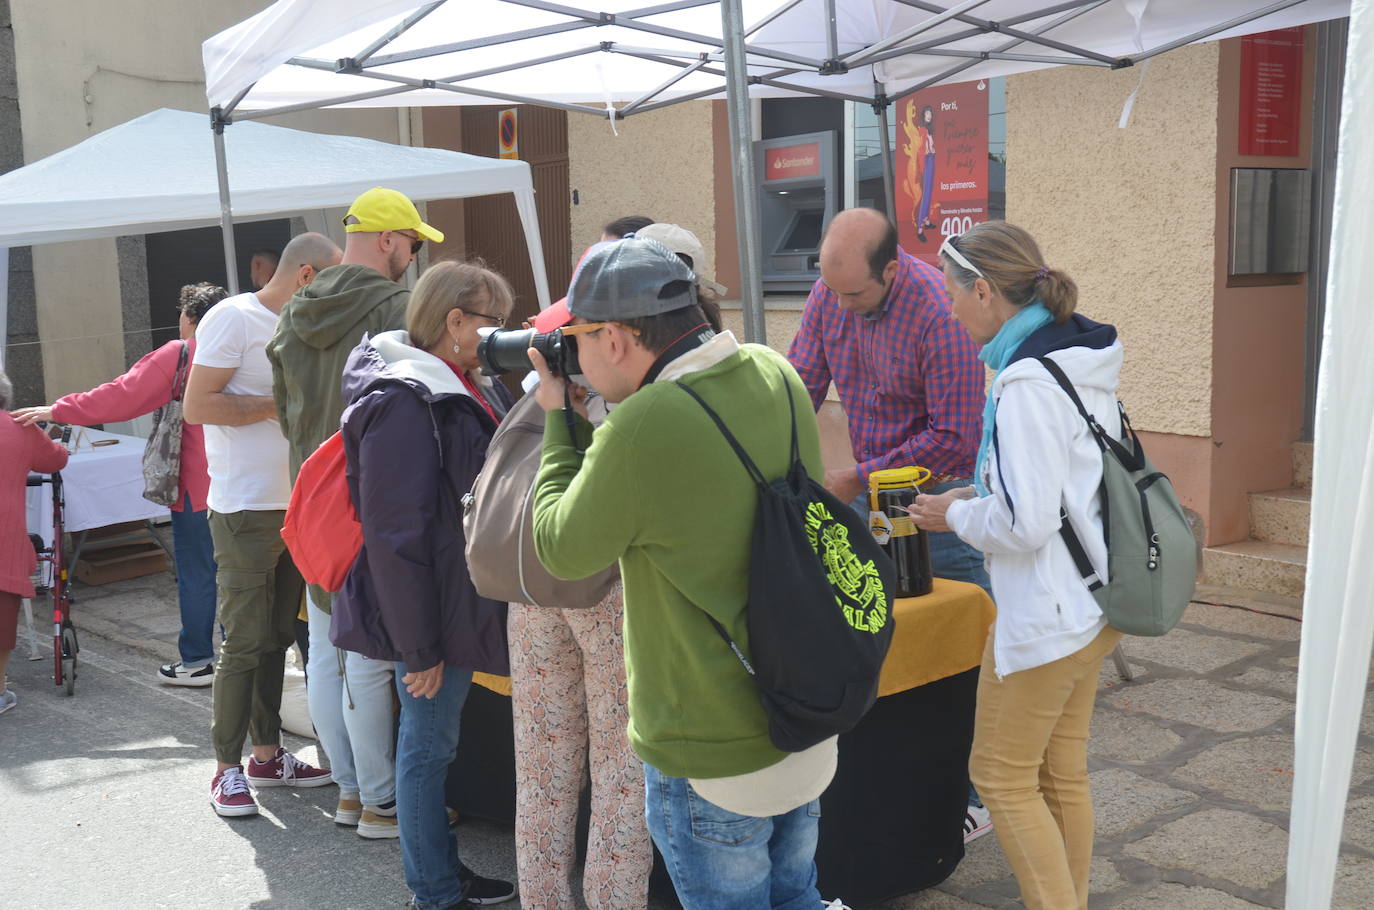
(630, 279)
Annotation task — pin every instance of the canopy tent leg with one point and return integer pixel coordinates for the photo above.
(880, 106)
(226, 214)
(746, 199)
(4, 304)
(529, 220)
(1338, 626)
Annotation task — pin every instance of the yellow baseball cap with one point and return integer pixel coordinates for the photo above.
(381, 209)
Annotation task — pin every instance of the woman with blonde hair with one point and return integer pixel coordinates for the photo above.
(416, 426)
(1039, 675)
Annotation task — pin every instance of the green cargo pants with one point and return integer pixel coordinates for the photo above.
(259, 596)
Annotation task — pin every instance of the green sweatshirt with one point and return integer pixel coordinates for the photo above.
(318, 328)
(661, 490)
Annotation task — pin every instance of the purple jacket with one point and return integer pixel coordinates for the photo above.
(414, 439)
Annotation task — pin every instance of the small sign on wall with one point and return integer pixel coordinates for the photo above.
(508, 133)
(1271, 92)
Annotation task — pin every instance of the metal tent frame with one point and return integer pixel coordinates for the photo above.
(739, 63)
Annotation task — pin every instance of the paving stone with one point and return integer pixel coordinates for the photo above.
(1221, 844)
(1129, 737)
(1359, 820)
(1183, 897)
(1258, 771)
(1354, 888)
(1244, 622)
(1123, 801)
(1104, 877)
(1192, 651)
(1205, 704)
(1283, 682)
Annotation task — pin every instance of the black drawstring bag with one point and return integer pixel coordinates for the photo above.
(820, 603)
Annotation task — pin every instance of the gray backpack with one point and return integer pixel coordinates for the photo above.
(1151, 552)
(498, 520)
(162, 452)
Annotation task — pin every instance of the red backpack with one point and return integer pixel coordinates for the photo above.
(321, 528)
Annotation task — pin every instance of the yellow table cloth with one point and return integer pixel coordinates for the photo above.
(937, 635)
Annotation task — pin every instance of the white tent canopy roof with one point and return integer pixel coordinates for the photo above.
(157, 173)
(488, 51)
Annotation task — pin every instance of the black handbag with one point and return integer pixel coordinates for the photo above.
(819, 612)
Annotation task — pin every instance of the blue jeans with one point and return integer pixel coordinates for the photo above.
(950, 557)
(350, 705)
(426, 747)
(722, 861)
(195, 556)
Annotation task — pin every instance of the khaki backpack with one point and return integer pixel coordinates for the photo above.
(498, 520)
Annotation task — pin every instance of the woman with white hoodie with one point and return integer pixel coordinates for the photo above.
(1040, 669)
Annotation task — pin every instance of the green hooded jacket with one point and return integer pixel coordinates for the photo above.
(318, 328)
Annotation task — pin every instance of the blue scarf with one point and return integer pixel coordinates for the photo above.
(997, 354)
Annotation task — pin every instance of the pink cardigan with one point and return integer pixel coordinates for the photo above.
(22, 449)
(145, 388)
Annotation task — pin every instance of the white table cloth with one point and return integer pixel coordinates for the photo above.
(103, 486)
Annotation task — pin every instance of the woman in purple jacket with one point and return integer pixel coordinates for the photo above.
(418, 420)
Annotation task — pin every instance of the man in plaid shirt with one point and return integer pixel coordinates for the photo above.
(878, 324)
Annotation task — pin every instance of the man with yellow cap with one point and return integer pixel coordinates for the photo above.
(318, 328)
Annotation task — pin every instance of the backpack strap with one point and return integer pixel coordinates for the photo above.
(756, 475)
(1066, 531)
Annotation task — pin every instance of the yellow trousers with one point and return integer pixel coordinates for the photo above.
(1030, 765)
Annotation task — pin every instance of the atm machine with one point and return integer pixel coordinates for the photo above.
(798, 177)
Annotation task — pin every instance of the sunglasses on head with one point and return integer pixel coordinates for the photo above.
(948, 249)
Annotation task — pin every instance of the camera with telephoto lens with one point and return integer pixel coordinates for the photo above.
(507, 350)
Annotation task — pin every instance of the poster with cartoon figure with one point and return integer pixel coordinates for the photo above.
(941, 166)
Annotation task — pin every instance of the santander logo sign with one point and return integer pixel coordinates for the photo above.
(790, 161)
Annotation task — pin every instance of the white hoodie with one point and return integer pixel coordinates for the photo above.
(1049, 460)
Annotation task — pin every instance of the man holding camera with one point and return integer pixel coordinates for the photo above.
(658, 488)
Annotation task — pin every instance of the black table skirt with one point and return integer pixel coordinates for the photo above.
(891, 821)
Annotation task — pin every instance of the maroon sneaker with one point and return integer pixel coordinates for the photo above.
(286, 770)
(230, 795)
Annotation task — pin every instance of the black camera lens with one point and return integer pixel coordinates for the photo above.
(507, 350)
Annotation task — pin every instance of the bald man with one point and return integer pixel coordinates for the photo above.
(878, 324)
(229, 391)
(319, 328)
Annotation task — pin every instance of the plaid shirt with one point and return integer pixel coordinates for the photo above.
(909, 377)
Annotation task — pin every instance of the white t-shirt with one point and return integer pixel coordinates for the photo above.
(248, 464)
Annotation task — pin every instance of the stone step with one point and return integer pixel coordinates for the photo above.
(1257, 564)
(1281, 516)
(1302, 465)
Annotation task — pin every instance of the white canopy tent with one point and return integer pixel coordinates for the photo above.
(310, 53)
(157, 173)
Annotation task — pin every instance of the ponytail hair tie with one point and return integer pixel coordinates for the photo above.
(1042, 273)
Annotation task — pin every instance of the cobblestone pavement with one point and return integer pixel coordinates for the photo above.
(1191, 762)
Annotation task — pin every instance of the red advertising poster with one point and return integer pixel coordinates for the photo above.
(941, 166)
(1270, 92)
(787, 161)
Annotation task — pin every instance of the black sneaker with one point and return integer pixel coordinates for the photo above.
(179, 675)
(483, 890)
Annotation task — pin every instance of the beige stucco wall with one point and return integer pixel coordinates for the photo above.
(1130, 214)
(87, 66)
(660, 165)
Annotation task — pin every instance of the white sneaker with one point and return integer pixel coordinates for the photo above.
(977, 822)
(178, 674)
(836, 904)
(8, 700)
